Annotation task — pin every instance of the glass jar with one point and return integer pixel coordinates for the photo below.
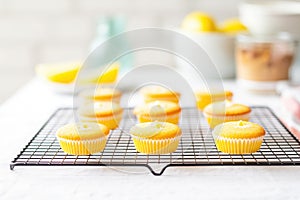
(263, 61)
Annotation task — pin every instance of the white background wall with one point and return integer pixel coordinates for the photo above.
(35, 31)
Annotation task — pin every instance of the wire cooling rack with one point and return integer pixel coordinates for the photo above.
(196, 147)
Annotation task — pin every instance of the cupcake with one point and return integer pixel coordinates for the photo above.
(101, 94)
(205, 98)
(82, 138)
(155, 92)
(155, 137)
(164, 111)
(238, 137)
(103, 112)
(224, 111)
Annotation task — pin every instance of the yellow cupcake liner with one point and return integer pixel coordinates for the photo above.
(159, 146)
(213, 121)
(174, 118)
(237, 145)
(111, 122)
(82, 147)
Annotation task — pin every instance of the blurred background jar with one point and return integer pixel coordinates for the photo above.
(107, 27)
(264, 61)
(276, 55)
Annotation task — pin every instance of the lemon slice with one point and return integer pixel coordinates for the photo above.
(232, 26)
(66, 73)
(198, 22)
(59, 72)
(93, 76)
(110, 75)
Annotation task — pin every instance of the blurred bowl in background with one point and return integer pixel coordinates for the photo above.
(220, 49)
(269, 17)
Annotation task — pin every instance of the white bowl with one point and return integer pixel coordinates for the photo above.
(220, 49)
(269, 17)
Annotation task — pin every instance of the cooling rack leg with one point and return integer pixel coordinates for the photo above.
(157, 173)
(11, 166)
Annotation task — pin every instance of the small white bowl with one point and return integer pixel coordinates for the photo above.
(269, 17)
(219, 47)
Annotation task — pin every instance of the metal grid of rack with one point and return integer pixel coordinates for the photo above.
(196, 147)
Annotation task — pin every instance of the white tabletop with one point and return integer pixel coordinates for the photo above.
(24, 113)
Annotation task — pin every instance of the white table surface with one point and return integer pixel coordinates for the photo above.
(24, 113)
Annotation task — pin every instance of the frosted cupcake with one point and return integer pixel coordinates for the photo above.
(103, 112)
(164, 111)
(155, 137)
(224, 111)
(238, 137)
(82, 138)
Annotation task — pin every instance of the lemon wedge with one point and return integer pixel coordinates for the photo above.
(109, 75)
(59, 72)
(198, 22)
(66, 73)
(95, 76)
(232, 26)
